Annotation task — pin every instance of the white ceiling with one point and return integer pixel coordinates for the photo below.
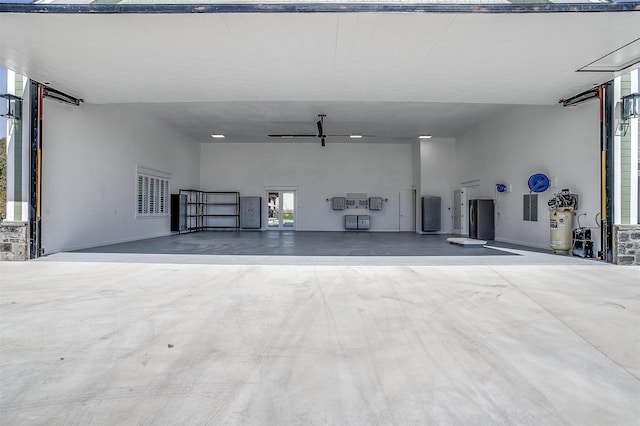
(247, 75)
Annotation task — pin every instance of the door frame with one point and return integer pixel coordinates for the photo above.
(280, 189)
(412, 195)
(468, 191)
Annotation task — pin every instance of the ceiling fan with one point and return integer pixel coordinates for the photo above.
(321, 135)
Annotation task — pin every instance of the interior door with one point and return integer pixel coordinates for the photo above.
(408, 210)
(281, 210)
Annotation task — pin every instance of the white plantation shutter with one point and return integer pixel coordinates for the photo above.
(152, 196)
(139, 208)
(145, 195)
(163, 189)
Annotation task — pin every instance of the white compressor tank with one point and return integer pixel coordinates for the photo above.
(561, 227)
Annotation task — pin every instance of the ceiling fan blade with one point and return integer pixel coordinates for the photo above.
(322, 140)
(293, 136)
(355, 136)
(320, 133)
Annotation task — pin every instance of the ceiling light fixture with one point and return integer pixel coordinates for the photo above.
(355, 136)
(218, 136)
(424, 137)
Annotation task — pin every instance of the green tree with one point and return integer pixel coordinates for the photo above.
(3, 178)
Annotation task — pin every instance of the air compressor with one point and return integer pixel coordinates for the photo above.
(561, 208)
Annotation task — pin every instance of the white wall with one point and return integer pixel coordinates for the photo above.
(90, 155)
(559, 142)
(437, 177)
(317, 173)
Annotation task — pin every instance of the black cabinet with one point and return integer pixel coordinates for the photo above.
(178, 212)
(431, 216)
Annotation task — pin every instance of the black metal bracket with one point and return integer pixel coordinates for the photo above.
(56, 95)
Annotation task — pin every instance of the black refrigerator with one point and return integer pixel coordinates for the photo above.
(481, 220)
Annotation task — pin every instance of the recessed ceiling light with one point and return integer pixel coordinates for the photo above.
(356, 136)
(218, 136)
(424, 137)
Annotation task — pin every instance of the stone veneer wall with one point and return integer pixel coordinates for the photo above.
(15, 241)
(626, 244)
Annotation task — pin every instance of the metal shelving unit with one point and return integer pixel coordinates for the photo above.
(221, 210)
(210, 210)
(193, 212)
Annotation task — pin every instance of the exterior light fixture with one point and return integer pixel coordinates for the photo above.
(11, 107)
(218, 136)
(355, 136)
(424, 137)
(631, 106)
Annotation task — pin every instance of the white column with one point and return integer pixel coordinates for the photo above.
(18, 143)
(617, 160)
(633, 129)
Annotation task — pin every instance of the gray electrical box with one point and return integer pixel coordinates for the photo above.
(339, 203)
(375, 203)
(251, 212)
(350, 221)
(363, 221)
(530, 207)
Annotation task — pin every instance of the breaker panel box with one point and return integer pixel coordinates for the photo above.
(363, 221)
(375, 203)
(339, 203)
(350, 221)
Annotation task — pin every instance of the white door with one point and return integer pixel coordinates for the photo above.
(281, 210)
(408, 210)
(459, 203)
(466, 193)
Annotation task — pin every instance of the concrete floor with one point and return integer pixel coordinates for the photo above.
(292, 243)
(532, 339)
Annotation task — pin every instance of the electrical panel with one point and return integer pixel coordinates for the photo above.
(363, 221)
(339, 203)
(530, 207)
(375, 203)
(350, 221)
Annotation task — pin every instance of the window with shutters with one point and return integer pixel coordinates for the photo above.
(152, 197)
